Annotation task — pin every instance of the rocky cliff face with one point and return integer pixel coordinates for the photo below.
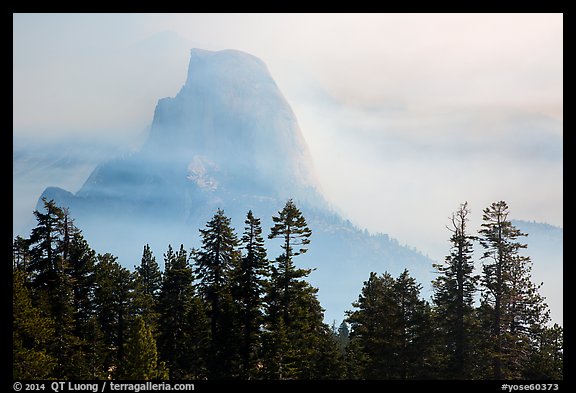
(228, 133)
(227, 140)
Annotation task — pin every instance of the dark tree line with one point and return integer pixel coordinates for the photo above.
(228, 311)
(487, 325)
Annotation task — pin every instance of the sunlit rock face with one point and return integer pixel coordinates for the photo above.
(227, 140)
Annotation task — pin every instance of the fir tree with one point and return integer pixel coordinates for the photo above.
(52, 284)
(61, 267)
(82, 264)
(373, 343)
(141, 354)
(546, 354)
(516, 307)
(148, 282)
(215, 261)
(290, 226)
(415, 337)
(45, 246)
(328, 361)
(81, 316)
(113, 297)
(316, 349)
(82, 260)
(249, 289)
(293, 312)
(95, 351)
(20, 253)
(391, 336)
(275, 342)
(454, 291)
(31, 334)
(183, 333)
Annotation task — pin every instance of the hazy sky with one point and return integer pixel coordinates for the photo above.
(406, 115)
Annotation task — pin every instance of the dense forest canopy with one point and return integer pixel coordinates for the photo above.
(230, 310)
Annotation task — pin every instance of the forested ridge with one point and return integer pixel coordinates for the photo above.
(229, 310)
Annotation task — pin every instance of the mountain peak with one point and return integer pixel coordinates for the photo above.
(227, 140)
(231, 67)
(231, 113)
(198, 54)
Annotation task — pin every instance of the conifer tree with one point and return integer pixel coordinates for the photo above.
(61, 276)
(45, 246)
(249, 287)
(20, 253)
(516, 307)
(82, 261)
(148, 282)
(373, 343)
(183, 333)
(546, 354)
(316, 348)
(283, 300)
(278, 352)
(82, 264)
(113, 297)
(290, 226)
(215, 262)
(81, 316)
(454, 291)
(355, 360)
(141, 354)
(31, 334)
(390, 335)
(52, 284)
(297, 336)
(94, 352)
(415, 337)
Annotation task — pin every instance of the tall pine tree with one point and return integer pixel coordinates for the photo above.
(148, 281)
(249, 287)
(283, 299)
(373, 349)
(415, 336)
(390, 334)
(546, 354)
(290, 226)
(52, 283)
(141, 354)
(183, 332)
(454, 291)
(82, 264)
(215, 262)
(113, 297)
(297, 339)
(515, 307)
(31, 334)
